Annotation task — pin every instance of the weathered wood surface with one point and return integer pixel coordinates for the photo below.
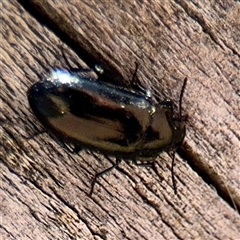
(43, 190)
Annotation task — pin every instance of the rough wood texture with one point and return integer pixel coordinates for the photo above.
(43, 191)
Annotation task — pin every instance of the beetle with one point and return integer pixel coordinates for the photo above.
(115, 121)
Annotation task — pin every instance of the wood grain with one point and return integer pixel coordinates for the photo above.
(44, 188)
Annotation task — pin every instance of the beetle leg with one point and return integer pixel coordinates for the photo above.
(136, 84)
(100, 174)
(36, 134)
(68, 63)
(77, 149)
(98, 69)
(172, 156)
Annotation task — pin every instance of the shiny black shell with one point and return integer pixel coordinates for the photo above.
(91, 114)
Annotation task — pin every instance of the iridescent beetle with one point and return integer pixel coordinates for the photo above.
(115, 121)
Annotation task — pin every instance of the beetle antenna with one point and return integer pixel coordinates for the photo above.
(181, 97)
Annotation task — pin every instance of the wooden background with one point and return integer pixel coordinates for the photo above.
(44, 188)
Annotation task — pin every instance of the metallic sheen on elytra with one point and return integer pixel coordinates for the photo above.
(92, 114)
